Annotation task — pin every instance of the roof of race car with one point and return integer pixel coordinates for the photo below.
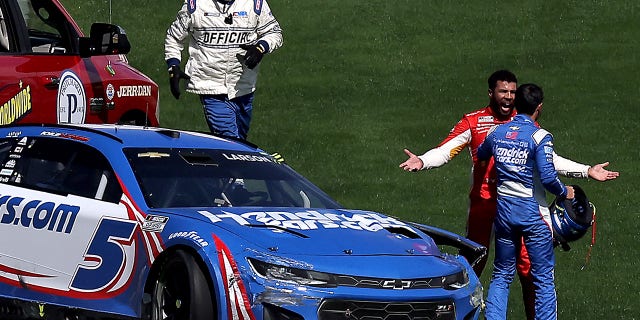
(134, 136)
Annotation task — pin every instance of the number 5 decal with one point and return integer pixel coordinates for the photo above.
(108, 258)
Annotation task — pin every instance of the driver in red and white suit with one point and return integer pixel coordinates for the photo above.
(470, 132)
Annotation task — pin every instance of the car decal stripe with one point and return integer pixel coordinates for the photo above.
(152, 241)
(17, 272)
(237, 299)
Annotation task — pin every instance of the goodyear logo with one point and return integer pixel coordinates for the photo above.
(16, 107)
(38, 214)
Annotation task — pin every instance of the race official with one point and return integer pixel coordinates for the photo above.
(523, 155)
(469, 133)
(227, 41)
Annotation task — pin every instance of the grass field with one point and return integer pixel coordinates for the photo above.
(357, 81)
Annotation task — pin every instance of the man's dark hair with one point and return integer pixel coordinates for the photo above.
(501, 75)
(528, 97)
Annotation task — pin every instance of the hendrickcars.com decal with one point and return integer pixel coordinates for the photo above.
(89, 249)
(309, 220)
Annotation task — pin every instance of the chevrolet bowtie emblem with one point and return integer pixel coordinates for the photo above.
(396, 284)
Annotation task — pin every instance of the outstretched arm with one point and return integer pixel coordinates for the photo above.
(598, 172)
(413, 163)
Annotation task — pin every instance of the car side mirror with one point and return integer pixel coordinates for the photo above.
(104, 39)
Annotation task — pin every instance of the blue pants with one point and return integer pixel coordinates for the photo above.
(521, 219)
(228, 117)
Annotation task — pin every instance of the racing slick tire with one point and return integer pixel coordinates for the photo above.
(181, 291)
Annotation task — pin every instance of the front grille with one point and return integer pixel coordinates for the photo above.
(332, 309)
(378, 283)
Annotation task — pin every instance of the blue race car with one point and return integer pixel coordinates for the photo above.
(125, 222)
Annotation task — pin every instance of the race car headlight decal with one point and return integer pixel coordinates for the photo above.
(456, 281)
(476, 297)
(292, 275)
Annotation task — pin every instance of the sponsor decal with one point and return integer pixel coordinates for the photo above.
(38, 214)
(10, 164)
(240, 14)
(190, 235)
(192, 6)
(14, 134)
(485, 119)
(110, 91)
(154, 223)
(512, 135)
(309, 220)
(64, 135)
(17, 107)
(72, 100)
(511, 155)
(134, 91)
(257, 6)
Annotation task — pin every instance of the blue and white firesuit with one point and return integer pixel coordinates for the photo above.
(523, 156)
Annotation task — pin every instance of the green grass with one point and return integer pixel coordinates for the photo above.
(357, 81)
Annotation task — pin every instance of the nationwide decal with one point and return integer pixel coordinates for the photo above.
(134, 91)
(191, 235)
(309, 220)
(17, 107)
(72, 100)
(37, 214)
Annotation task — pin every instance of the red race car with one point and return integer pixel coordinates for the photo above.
(51, 73)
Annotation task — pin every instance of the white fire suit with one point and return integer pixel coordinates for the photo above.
(215, 31)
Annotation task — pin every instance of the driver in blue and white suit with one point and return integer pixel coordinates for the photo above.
(523, 156)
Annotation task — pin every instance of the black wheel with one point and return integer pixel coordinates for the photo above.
(181, 291)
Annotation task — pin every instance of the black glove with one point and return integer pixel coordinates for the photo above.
(254, 54)
(175, 74)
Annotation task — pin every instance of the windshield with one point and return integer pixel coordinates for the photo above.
(218, 178)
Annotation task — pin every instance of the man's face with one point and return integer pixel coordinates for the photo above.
(501, 97)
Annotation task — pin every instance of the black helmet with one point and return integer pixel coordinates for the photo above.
(571, 218)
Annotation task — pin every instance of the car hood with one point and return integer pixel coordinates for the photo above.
(315, 231)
